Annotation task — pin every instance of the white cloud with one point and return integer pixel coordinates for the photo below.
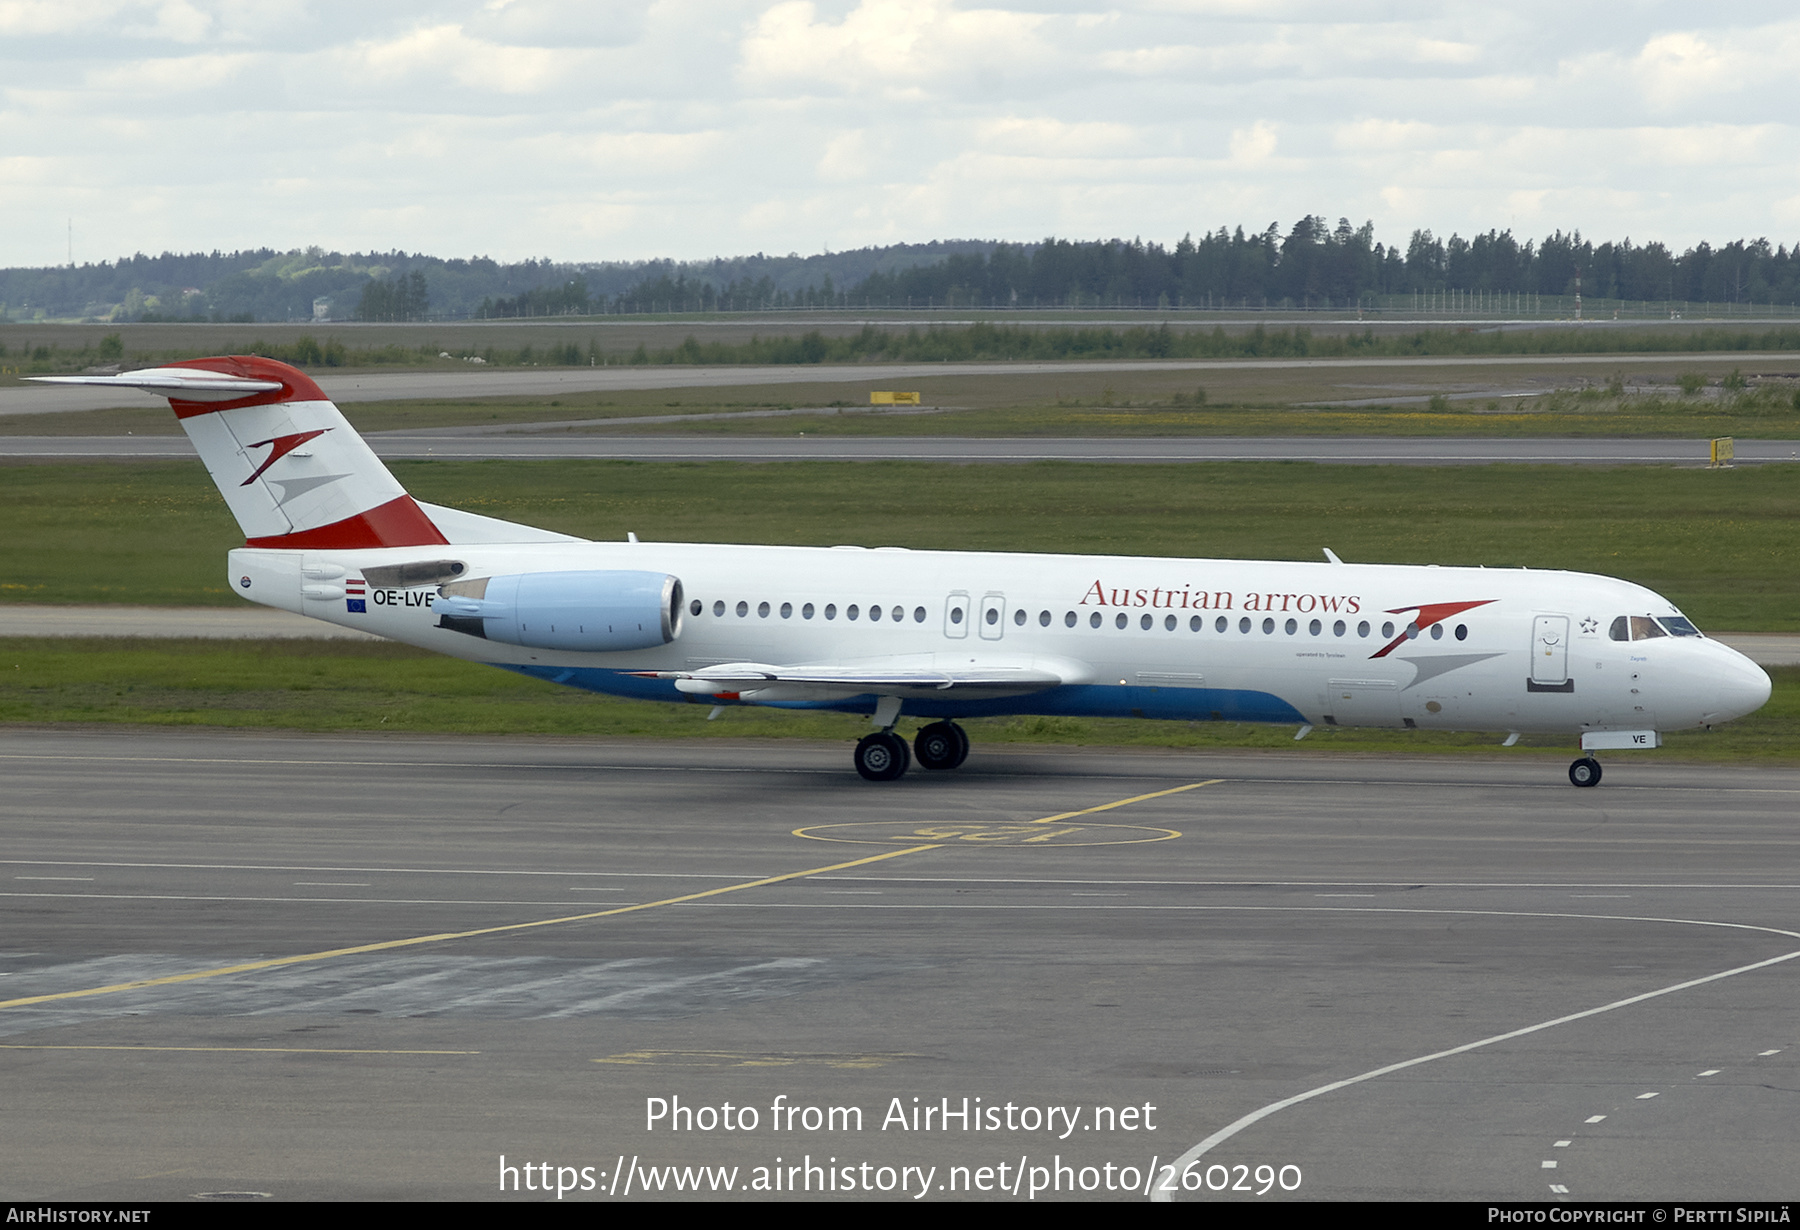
(670, 127)
(1253, 144)
(892, 46)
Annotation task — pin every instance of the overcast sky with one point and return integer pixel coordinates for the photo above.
(693, 128)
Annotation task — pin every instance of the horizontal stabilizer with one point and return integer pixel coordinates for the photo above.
(183, 383)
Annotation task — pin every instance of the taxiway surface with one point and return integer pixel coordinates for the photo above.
(457, 380)
(1341, 450)
(371, 968)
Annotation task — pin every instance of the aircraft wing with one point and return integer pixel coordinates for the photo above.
(902, 677)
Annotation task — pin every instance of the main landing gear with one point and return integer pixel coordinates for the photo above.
(941, 745)
(883, 756)
(1585, 772)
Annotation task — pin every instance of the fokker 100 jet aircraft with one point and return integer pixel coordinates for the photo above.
(938, 635)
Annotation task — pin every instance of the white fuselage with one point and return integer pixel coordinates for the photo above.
(1503, 650)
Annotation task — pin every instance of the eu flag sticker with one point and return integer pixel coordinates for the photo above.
(358, 606)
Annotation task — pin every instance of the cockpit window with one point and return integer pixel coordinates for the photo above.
(1648, 627)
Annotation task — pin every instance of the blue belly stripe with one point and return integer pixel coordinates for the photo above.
(1085, 700)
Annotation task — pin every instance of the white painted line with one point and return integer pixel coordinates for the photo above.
(1711, 1072)
(1595, 1118)
(82, 878)
(1562, 1144)
(1256, 1116)
(1776, 1051)
(1597, 896)
(328, 884)
(1559, 1189)
(547, 903)
(1549, 1165)
(1645, 1097)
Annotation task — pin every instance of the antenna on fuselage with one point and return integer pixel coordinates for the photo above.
(1332, 556)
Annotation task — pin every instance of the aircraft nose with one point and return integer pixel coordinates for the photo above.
(1739, 687)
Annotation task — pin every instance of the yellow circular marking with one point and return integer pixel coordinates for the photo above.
(1027, 833)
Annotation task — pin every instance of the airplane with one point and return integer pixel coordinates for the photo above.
(938, 635)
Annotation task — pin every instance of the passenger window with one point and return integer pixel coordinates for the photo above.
(1222, 624)
(898, 613)
(719, 608)
(955, 614)
(1269, 627)
(806, 612)
(787, 610)
(1315, 627)
(1194, 624)
(1043, 619)
(1019, 617)
(1337, 629)
(1122, 620)
(1145, 622)
(1244, 625)
(993, 615)
(1069, 620)
(762, 610)
(1437, 632)
(1387, 629)
(1362, 629)
(1462, 632)
(696, 607)
(918, 614)
(1094, 620)
(874, 614)
(1169, 623)
(743, 609)
(831, 610)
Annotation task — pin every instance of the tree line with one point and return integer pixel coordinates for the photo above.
(1309, 265)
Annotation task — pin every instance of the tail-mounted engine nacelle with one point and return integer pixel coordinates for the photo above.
(592, 612)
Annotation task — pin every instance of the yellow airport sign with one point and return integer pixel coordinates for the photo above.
(893, 399)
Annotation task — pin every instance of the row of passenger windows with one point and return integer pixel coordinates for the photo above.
(807, 611)
(1070, 619)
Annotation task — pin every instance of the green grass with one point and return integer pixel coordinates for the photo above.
(1721, 544)
(335, 686)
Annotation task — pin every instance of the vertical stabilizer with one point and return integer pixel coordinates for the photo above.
(292, 469)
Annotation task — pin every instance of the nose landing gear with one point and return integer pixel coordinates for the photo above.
(1585, 772)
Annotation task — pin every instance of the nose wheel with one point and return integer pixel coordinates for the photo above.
(882, 756)
(1585, 772)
